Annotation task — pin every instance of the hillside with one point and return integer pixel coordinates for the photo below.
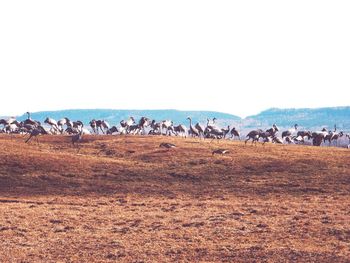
(306, 118)
(115, 116)
(122, 198)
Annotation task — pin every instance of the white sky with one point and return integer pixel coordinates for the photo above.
(238, 57)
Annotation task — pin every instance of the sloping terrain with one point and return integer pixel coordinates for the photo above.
(307, 118)
(122, 198)
(115, 116)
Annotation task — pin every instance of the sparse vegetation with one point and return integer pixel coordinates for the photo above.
(123, 198)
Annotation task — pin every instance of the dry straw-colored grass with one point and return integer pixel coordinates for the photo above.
(125, 199)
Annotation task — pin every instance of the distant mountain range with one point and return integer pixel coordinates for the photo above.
(306, 118)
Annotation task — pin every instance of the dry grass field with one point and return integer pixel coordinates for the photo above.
(122, 198)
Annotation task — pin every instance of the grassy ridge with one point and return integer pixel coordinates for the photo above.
(126, 199)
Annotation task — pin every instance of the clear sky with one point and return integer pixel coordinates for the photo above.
(238, 57)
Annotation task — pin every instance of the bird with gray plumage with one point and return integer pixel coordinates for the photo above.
(220, 151)
(235, 133)
(318, 137)
(200, 129)
(225, 131)
(289, 140)
(143, 123)
(269, 134)
(179, 130)
(277, 140)
(333, 136)
(53, 123)
(290, 131)
(348, 136)
(155, 128)
(213, 133)
(113, 129)
(127, 123)
(30, 121)
(166, 124)
(35, 133)
(304, 134)
(64, 121)
(254, 135)
(77, 137)
(193, 131)
(167, 145)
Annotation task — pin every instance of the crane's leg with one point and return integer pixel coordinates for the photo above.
(245, 141)
(29, 138)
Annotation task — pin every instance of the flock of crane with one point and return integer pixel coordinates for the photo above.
(166, 127)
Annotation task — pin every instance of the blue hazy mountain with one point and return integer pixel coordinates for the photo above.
(306, 118)
(115, 116)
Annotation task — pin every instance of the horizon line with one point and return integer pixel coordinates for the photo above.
(180, 110)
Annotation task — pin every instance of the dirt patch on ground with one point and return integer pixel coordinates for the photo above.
(122, 198)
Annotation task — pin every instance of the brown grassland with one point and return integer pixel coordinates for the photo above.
(122, 198)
